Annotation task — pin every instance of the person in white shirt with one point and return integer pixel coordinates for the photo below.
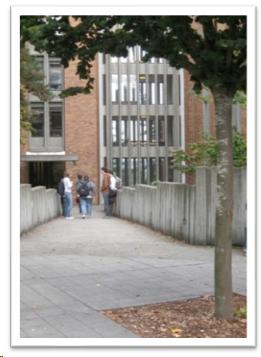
(68, 201)
(112, 192)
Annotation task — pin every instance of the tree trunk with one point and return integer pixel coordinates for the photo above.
(224, 207)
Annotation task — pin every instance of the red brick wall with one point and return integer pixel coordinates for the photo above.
(82, 126)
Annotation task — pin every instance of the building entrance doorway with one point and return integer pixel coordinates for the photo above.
(45, 173)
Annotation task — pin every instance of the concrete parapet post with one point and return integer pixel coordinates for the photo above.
(184, 211)
(37, 205)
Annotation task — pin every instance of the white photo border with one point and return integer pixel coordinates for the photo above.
(250, 12)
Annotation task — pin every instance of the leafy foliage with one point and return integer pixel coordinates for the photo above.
(211, 48)
(206, 153)
(241, 313)
(31, 81)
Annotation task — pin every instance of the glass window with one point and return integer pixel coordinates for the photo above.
(132, 55)
(162, 168)
(114, 59)
(152, 130)
(169, 89)
(153, 169)
(152, 89)
(144, 170)
(142, 89)
(114, 88)
(104, 88)
(124, 171)
(153, 60)
(124, 130)
(133, 89)
(161, 124)
(124, 59)
(115, 131)
(170, 130)
(55, 76)
(160, 88)
(141, 54)
(161, 60)
(143, 129)
(55, 117)
(116, 166)
(134, 129)
(37, 119)
(134, 169)
(170, 170)
(124, 89)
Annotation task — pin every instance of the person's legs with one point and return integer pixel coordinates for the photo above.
(66, 205)
(83, 206)
(70, 204)
(106, 202)
(89, 206)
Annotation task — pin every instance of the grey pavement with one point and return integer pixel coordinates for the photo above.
(71, 270)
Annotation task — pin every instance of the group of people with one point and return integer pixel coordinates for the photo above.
(85, 192)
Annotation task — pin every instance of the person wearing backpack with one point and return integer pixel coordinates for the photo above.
(83, 190)
(92, 193)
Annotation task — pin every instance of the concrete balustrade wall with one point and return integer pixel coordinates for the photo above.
(186, 212)
(37, 205)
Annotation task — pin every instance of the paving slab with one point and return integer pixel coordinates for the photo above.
(72, 270)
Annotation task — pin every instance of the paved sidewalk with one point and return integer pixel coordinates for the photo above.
(73, 269)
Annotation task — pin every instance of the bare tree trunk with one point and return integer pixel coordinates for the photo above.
(224, 208)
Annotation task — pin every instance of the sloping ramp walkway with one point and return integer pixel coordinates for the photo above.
(73, 269)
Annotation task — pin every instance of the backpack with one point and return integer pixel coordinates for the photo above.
(83, 189)
(60, 188)
(118, 183)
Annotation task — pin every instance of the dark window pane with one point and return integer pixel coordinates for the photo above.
(124, 171)
(160, 85)
(170, 170)
(116, 166)
(152, 130)
(134, 169)
(55, 76)
(144, 170)
(37, 119)
(55, 117)
(161, 131)
(170, 130)
(169, 89)
(162, 169)
(153, 172)
(152, 89)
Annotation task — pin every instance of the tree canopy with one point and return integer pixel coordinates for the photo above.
(211, 48)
